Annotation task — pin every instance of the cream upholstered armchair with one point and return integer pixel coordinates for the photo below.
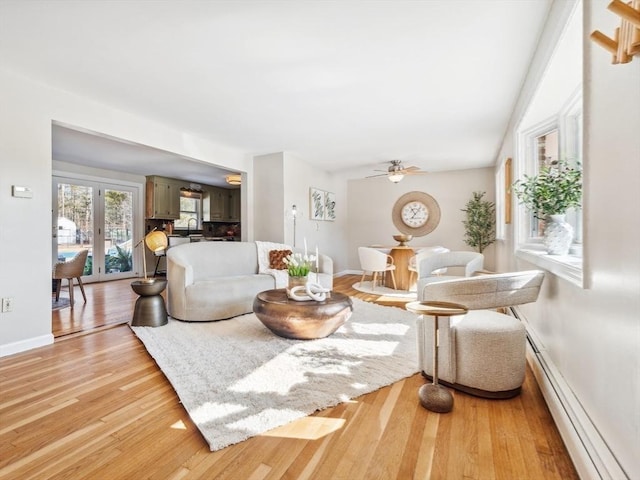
(483, 352)
(375, 261)
(430, 267)
(70, 270)
(421, 254)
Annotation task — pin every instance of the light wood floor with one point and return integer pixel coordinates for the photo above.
(95, 406)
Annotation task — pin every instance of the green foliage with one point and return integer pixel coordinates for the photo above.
(480, 225)
(121, 262)
(557, 188)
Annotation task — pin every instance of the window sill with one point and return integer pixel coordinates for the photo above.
(567, 267)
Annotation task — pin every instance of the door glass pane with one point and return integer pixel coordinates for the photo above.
(75, 222)
(118, 231)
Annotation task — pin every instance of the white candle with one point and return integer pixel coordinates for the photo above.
(305, 246)
(317, 260)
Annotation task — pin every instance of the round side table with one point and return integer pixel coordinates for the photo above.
(150, 310)
(434, 396)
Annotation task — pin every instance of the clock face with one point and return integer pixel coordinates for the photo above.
(414, 214)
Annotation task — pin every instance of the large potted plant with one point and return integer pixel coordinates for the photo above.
(548, 195)
(480, 225)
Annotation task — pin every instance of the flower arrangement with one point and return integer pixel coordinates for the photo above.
(298, 264)
(555, 189)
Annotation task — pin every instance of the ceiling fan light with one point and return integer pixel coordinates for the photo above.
(233, 179)
(395, 177)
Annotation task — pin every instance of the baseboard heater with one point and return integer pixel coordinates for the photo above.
(590, 454)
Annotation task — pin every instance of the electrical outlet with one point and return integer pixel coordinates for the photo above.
(7, 304)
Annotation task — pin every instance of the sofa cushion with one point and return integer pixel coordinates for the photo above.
(276, 259)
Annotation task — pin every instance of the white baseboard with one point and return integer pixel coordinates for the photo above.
(348, 272)
(24, 345)
(589, 452)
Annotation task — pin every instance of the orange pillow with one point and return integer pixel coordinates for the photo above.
(275, 259)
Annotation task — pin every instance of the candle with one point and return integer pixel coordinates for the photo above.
(317, 260)
(305, 246)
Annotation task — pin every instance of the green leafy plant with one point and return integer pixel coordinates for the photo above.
(298, 265)
(554, 190)
(480, 225)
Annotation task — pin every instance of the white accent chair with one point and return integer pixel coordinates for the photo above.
(430, 266)
(421, 254)
(374, 261)
(483, 352)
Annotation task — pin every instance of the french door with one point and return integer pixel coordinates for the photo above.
(97, 216)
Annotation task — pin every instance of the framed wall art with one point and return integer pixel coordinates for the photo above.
(316, 204)
(329, 206)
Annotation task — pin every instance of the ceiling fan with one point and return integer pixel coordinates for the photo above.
(397, 171)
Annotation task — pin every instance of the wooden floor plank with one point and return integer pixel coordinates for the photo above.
(95, 405)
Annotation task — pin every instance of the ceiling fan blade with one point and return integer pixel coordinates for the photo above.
(412, 168)
(415, 172)
(379, 175)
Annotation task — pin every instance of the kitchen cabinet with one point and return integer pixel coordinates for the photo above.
(215, 204)
(162, 198)
(233, 206)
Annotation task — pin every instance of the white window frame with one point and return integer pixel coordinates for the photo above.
(568, 121)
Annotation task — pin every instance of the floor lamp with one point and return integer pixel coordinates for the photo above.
(294, 214)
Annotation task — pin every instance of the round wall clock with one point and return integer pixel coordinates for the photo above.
(416, 213)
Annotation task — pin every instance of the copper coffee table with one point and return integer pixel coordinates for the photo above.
(301, 320)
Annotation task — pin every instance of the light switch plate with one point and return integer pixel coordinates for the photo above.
(21, 192)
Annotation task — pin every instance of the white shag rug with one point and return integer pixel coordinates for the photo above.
(236, 379)
(367, 287)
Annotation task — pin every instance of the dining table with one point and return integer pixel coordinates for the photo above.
(401, 257)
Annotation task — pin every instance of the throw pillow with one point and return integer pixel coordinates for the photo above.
(275, 259)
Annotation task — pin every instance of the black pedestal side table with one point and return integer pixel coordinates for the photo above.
(434, 396)
(150, 310)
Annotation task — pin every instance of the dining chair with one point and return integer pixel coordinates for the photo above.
(70, 270)
(374, 261)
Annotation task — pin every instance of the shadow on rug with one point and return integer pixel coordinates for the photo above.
(236, 379)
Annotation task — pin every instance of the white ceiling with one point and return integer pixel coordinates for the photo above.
(340, 84)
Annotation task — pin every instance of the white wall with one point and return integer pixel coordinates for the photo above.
(283, 180)
(370, 202)
(28, 109)
(591, 336)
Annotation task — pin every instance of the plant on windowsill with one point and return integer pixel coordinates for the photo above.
(480, 225)
(548, 195)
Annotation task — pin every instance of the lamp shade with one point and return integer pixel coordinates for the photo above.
(156, 241)
(234, 179)
(395, 177)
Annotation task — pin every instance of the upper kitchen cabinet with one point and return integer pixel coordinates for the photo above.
(162, 198)
(215, 204)
(233, 206)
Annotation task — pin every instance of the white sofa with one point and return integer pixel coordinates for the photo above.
(217, 280)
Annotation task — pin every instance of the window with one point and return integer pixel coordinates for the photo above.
(190, 211)
(559, 137)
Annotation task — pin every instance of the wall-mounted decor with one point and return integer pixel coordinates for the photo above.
(316, 204)
(507, 191)
(626, 41)
(329, 206)
(416, 213)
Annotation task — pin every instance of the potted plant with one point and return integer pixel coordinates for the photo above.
(480, 225)
(548, 195)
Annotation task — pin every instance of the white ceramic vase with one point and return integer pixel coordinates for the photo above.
(558, 235)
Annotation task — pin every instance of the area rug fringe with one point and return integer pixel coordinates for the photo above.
(236, 379)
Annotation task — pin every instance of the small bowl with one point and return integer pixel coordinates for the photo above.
(402, 239)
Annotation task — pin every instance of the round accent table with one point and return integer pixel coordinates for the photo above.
(150, 310)
(434, 396)
(301, 320)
